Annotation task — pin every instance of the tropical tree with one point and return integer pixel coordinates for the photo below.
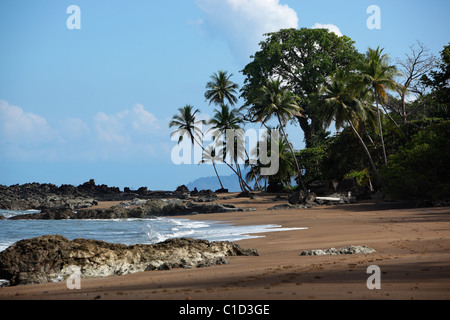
(378, 76)
(285, 163)
(210, 156)
(346, 105)
(227, 122)
(221, 88)
(276, 101)
(302, 58)
(186, 123)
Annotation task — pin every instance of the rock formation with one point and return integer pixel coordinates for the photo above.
(151, 208)
(334, 251)
(52, 257)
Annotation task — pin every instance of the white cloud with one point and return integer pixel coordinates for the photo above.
(330, 27)
(18, 126)
(126, 126)
(242, 23)
(73, 129)
(133, 134)
(143, 121)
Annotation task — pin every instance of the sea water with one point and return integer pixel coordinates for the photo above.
(127, 231)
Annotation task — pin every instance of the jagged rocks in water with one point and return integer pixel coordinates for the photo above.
(155, 207)
(334, 251)
(50, 258)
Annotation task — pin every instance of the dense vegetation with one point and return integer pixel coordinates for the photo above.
(391, 118)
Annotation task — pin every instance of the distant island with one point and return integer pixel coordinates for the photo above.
(230, 182)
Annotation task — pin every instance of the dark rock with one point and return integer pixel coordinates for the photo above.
(246, 194)
(51, 258)
(311, 199)
(182, 188)
(194, 192)
(222, 190)
(296, 197)
(207, 196)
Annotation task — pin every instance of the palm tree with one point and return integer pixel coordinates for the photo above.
(223, 121)
(220, 88)
(378, 76)
(345, 105)
(274, 100)
(210, 156)
(285, 163)
(186, 123)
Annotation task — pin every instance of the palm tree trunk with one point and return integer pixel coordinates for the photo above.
(253, 170)
(293, 155)
(214, 165)
(201, 146)
(395, 122)
(381, 130)
(241, 181)
(366, 149)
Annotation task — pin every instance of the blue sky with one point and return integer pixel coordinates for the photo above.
(95, 103)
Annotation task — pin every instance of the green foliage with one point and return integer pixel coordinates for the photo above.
(312, 160)
(362, 177)
(420, 169)
(302, 59)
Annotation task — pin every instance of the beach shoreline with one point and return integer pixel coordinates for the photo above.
(411, 251)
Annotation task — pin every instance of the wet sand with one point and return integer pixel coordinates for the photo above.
(412, 251)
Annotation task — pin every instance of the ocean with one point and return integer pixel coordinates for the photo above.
(128, 231)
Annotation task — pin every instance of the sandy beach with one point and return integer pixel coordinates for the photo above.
(412, 252)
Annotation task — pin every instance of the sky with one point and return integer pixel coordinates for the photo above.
(89, 93)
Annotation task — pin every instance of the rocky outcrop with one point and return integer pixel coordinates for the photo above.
(49, 196)
(334, 251)
(207, 196)
(54, 257)
(151, 208)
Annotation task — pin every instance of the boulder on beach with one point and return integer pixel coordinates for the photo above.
(53, 257)
(333, 251)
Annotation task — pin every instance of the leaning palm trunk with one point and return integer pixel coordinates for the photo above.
(253, 170)
(381, 130)
(241, 181)
(221, 185)
(367, 150)
(293, 155)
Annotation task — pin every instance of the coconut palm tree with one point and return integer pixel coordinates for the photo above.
(345, 104)
(224, 122)
(221, 88)
(285, 163)
(186, 123)
(378, 76)
(276, 101)
(210, 156)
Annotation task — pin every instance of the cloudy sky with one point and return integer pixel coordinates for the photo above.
(95, 102)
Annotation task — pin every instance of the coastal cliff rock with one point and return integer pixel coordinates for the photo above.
(53, 257)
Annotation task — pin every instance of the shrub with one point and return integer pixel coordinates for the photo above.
(420, 169)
